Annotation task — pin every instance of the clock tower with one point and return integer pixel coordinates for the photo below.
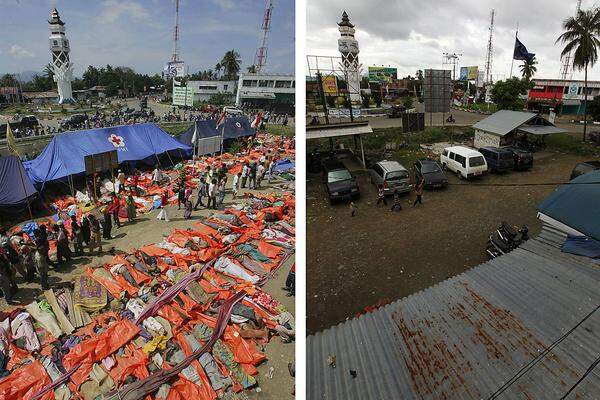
(348, 47)
(61, 64)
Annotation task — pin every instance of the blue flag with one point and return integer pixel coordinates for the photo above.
(521, 52)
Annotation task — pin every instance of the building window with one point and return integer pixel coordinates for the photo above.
(56, 42)
(225, 88)
(263, 83)
(207, 87)
(283, 84)
(247, 83)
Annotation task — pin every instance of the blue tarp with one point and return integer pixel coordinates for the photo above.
(582, 246)
(577, 204)
(64, 155)
(15, 186)
(284, 165)
(234, 127)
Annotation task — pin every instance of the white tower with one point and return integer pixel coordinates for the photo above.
(61, 65)
(348, 46)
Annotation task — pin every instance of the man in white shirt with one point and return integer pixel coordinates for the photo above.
(212, 193)
(260, 173)
(244, 175)
(236, 184)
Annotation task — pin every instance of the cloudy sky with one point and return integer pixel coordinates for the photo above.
(412, 35)
(138, 33)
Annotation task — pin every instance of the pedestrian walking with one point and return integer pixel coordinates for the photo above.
(202, 191)
(131, 210)
(95, 240)
(397, 204)
(236, 184)
(164, 200)
(381, 195)
(419, 192)
(212, 193)
(244, 176)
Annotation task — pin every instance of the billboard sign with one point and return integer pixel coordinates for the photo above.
(383, 74)
(174, 68)
(469, 73)
(437, 90)
(183, 96)
(329, 85)
(572, 91)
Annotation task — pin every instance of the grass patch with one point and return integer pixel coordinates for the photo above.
(175, 128)
(287, 130)
(566, 143)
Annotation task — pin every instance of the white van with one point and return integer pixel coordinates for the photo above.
(464, 161)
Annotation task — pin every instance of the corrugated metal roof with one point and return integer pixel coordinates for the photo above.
(465, 337)
(541, 129)
(504, 121)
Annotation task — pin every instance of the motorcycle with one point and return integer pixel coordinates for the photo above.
(505, 239)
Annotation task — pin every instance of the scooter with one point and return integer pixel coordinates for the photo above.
(505, 239)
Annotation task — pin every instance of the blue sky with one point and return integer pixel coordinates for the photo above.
(138, 33)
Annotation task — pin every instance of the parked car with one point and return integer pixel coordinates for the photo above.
(584, 167)
(523, 158)
(395, 111)
(391, 175)
(465, 162)
(431, 173)
(498, 159)
(339, 182)
(232, 110)
(74, 121)
(29, 121)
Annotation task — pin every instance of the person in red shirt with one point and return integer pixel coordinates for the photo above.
(164, 200)
(114, 208)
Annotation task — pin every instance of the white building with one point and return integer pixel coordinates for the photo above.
(61, 64)
(268, 91)
(205, 90)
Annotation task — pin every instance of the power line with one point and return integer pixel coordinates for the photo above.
(586, 373)
(539, 358)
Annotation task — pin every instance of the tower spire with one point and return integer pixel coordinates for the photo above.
(62, 67)
(260, 58)
(490, 50)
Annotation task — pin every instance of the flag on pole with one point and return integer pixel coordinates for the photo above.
(10, 141)
(221, 119)
(520, 52)
(256, 123)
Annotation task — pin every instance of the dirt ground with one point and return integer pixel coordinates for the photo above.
(148, 230)
(353, 263)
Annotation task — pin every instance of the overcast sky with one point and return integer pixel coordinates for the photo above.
(412, 35)
(138, 33)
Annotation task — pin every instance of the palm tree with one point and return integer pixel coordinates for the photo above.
(252, 69)
(231, 64)
(581, 35)
(528, 68)
(218, 68)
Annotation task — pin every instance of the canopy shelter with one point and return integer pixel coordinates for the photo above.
(573, 208)
(208, 137)
(503, 127)
(64, 155)
(15, 187)
(330, 131)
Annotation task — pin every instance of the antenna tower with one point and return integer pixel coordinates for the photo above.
(490, 51)
(260, 58)
(175, 55)
(566, 69)
(451, 59)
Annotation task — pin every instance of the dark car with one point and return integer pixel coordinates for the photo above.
(523, 158)
(431, 173)
(498, 159)
(584, 167)
(396, 111)
(339, 182)
(29, 121)
(74, 121)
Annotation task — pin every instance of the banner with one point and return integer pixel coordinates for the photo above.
(329, 85)
(183, 96)
(383, 74)
(468, 73)
(174, 68)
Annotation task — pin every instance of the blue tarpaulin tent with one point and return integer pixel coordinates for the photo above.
(234, 127)
(15, 186)
(577, 205)
(64, 155)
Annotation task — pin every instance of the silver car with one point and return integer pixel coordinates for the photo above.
(391, 175)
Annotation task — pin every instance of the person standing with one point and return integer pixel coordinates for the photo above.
(212, 193)
(121, 181)
(106, 223)
(244, 175)
(77, 236)
(164, 201)
(156, 176)
(202, 191)
(85, 229)
(353, 209)
(236, 184)
(252, 176)
(381, 195)
(41, 241)
(419, 192)
(260, 174)
(397, 204)
(95, 240)
(63, 252)
(115, 208)
(221, 191)
(180, 195)
(7, 282)
(131, 211)
(271, 169)
(187, 214)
